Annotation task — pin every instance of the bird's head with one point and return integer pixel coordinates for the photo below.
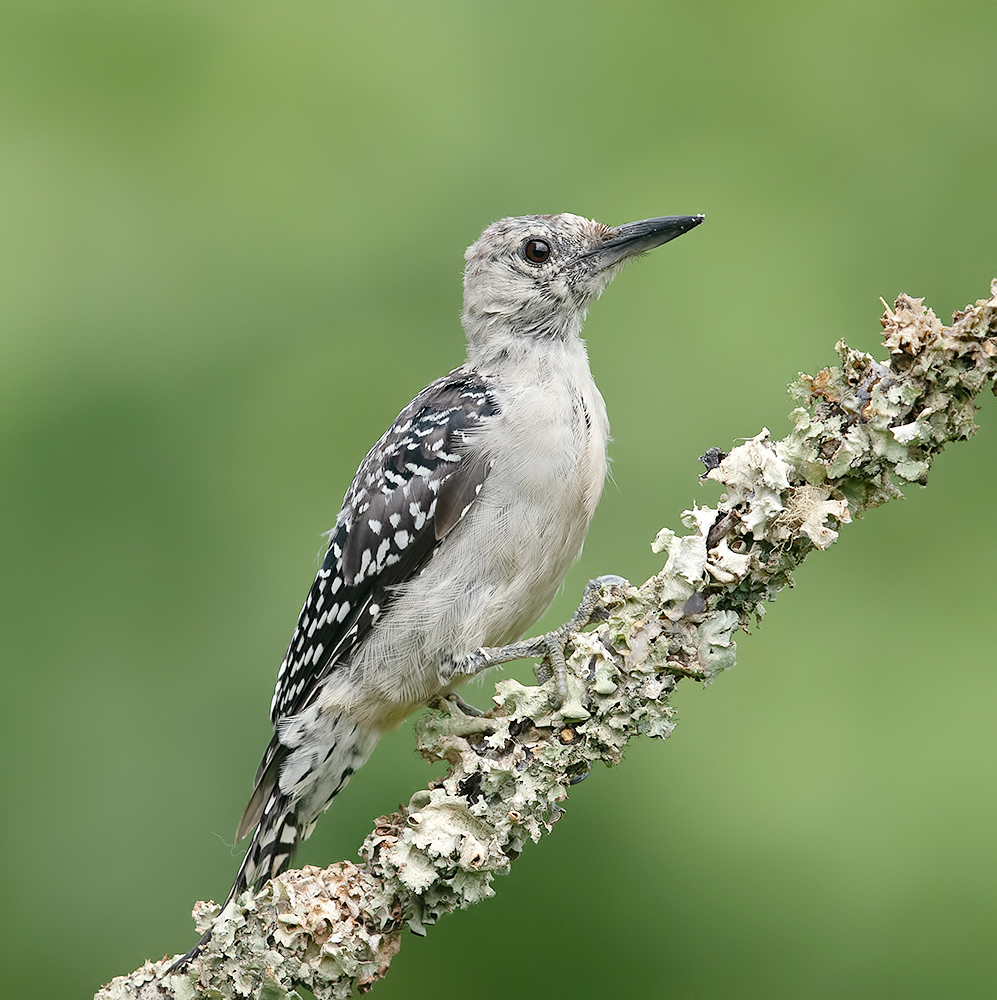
(535, 276)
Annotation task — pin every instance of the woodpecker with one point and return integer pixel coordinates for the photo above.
(458, 528)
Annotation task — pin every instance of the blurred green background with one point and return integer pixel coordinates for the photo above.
(231, 251)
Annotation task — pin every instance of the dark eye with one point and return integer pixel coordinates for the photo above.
(536, 251)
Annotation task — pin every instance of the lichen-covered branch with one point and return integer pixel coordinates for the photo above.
(861, 430)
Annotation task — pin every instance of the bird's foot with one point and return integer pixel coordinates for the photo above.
(593, 607)
(595, 604)
(549, 648)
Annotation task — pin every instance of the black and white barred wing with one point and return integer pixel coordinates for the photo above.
(415, 484)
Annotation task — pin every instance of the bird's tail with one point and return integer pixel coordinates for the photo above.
(273, 845)
(282, 820)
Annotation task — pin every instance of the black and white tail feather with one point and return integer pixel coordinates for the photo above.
(413, 487)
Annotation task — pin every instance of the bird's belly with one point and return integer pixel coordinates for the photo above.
(473, 593)
(491, 578)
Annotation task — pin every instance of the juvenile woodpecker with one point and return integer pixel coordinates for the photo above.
(458, 527)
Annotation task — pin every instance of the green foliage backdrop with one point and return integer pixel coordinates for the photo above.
(231, 251)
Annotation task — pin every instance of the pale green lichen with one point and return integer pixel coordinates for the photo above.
(860, 428)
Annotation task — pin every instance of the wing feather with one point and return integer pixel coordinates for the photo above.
(413, 487)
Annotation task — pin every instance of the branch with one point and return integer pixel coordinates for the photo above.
(861, 430)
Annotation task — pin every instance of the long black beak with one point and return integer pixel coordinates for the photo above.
(636, 237)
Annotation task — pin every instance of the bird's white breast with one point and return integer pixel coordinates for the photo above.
(498, 570)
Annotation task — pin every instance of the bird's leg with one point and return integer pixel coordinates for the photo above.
(549, 646)
(452, 670)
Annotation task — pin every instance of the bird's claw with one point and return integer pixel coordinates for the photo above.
(456, 700)
(591, 607)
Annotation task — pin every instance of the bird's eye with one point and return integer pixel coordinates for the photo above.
(536, 251)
